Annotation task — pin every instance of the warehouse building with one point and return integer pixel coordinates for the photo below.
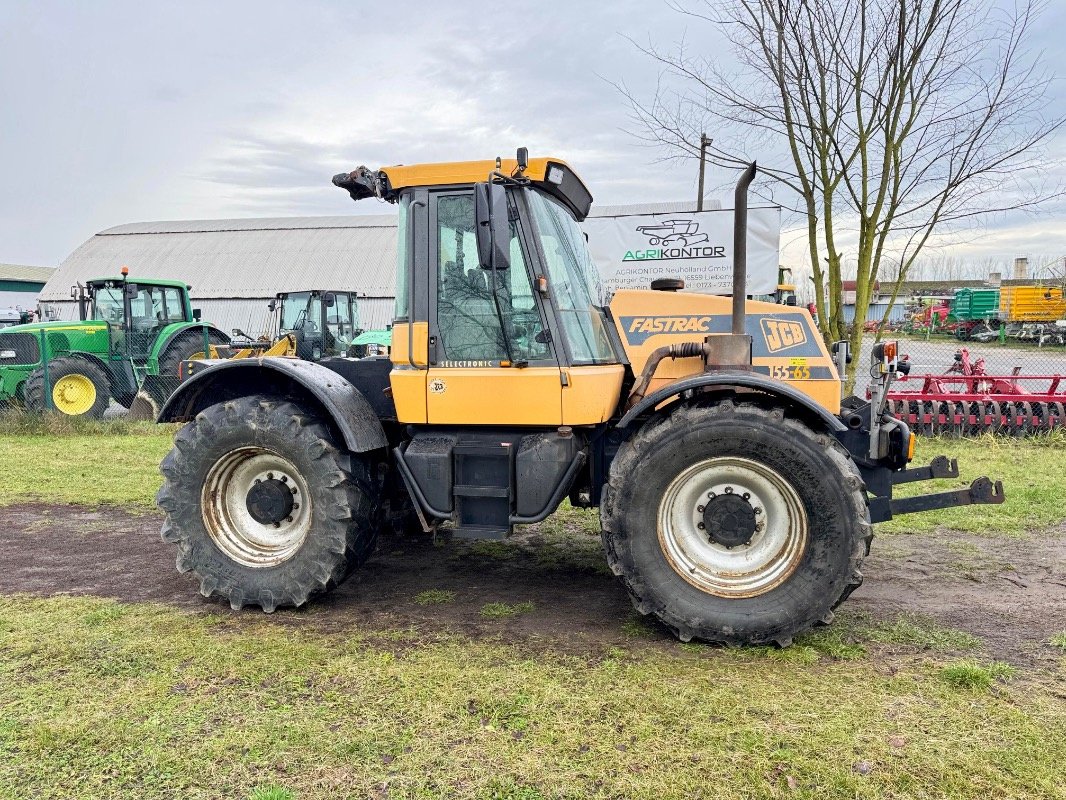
(20, 285)
(236, 266)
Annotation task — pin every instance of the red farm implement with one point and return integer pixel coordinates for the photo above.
(967, 400)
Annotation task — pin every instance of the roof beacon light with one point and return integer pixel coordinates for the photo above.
(125, 271)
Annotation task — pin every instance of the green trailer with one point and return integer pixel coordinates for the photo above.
(974, 305)
(128, 345)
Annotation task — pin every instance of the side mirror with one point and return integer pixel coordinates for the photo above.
(329, 299)
(522, 157)
(790, 300)
(74, 292)
(196, 314)
(492, 229)
(130, 290)
(272, 305)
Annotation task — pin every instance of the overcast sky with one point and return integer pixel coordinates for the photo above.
(118, 112)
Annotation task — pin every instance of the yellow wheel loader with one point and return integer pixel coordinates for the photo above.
(736, 491)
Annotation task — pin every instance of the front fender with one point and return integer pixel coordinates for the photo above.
(727, 379)
(340, 403)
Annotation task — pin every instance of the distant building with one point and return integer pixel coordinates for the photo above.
(20, 285)
(235, 266)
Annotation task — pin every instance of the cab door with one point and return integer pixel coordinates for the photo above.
(488, 365)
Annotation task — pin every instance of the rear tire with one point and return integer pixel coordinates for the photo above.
(775, 535)
(77, 388)
(263, 507)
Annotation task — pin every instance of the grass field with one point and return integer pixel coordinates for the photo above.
(105, 699)
(100, 698)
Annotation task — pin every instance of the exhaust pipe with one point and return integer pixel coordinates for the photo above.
(740, 247)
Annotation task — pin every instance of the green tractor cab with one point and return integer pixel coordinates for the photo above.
(127, 346)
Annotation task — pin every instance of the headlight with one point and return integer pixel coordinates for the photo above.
(6, 354)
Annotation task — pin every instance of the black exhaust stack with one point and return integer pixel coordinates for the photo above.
(740, 247)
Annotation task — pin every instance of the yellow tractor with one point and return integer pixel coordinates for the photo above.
(736, 492)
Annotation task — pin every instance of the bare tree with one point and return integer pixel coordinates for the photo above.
(889, 121)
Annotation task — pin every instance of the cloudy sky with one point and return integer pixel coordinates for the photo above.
(117, 112)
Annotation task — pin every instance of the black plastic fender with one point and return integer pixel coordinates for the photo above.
(726, 379)
(339, 402)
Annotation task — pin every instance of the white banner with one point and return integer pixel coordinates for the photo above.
(634, 249)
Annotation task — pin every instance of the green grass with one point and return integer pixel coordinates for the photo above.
(434, 597)
(106, 700)
(1058, 640)
(1031, 470)
(974, 676)
(88, 463)
(505, 610)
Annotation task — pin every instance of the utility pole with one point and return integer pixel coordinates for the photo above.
(705, 142)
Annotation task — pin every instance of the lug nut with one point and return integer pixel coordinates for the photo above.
(757, 510)
(747, 495)
(270, 476)
(759, 526)
(699, 509)
(284, 478)
(295, 506)
(700, 525)
(257, 480)
(711, 495)
(288, 519)
(294, 490)
(729, 490)
(277, 524)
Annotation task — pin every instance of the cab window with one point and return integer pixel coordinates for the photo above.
(469, 326)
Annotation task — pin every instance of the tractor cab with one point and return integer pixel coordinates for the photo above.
(324, 323)
(136, 311)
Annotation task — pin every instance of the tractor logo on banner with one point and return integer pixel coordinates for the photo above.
(683, 232)
(781, 334)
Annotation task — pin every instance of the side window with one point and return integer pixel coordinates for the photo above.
(339, 329)
(467, 318)
(175, 312)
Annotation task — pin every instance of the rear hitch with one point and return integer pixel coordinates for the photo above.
(939, 467)
(880, 480)
(981, 492)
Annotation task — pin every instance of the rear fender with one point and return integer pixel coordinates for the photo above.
(339, 403)
(170, 333)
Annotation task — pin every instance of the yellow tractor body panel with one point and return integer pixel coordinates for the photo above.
(494, 396)
(403, 348)
(786, 345)
(462, 172)
(592, 394)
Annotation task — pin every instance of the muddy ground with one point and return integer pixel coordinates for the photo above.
(1009, 592)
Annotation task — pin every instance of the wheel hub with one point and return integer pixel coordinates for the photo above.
(269, 501)
(729, 520)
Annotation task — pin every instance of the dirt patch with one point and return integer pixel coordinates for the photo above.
(1010, 593)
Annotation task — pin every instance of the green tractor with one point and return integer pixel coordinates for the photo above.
(129, 345)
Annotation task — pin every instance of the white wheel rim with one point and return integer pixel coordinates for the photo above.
(231, 525)
(746, 570)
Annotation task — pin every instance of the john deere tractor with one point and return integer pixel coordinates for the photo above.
(128, 346)
(736, 491)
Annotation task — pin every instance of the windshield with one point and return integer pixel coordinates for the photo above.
(108, 304)
(573, 281)
(294, 311)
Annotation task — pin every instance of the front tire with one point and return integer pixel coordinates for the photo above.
(77, 388)
(735, 523)
(263, 507)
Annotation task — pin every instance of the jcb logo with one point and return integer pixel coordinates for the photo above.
(782, 334)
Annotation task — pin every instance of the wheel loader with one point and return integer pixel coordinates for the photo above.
(736, 491)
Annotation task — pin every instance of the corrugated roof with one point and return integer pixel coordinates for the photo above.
(243, 257)
(21, 272)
